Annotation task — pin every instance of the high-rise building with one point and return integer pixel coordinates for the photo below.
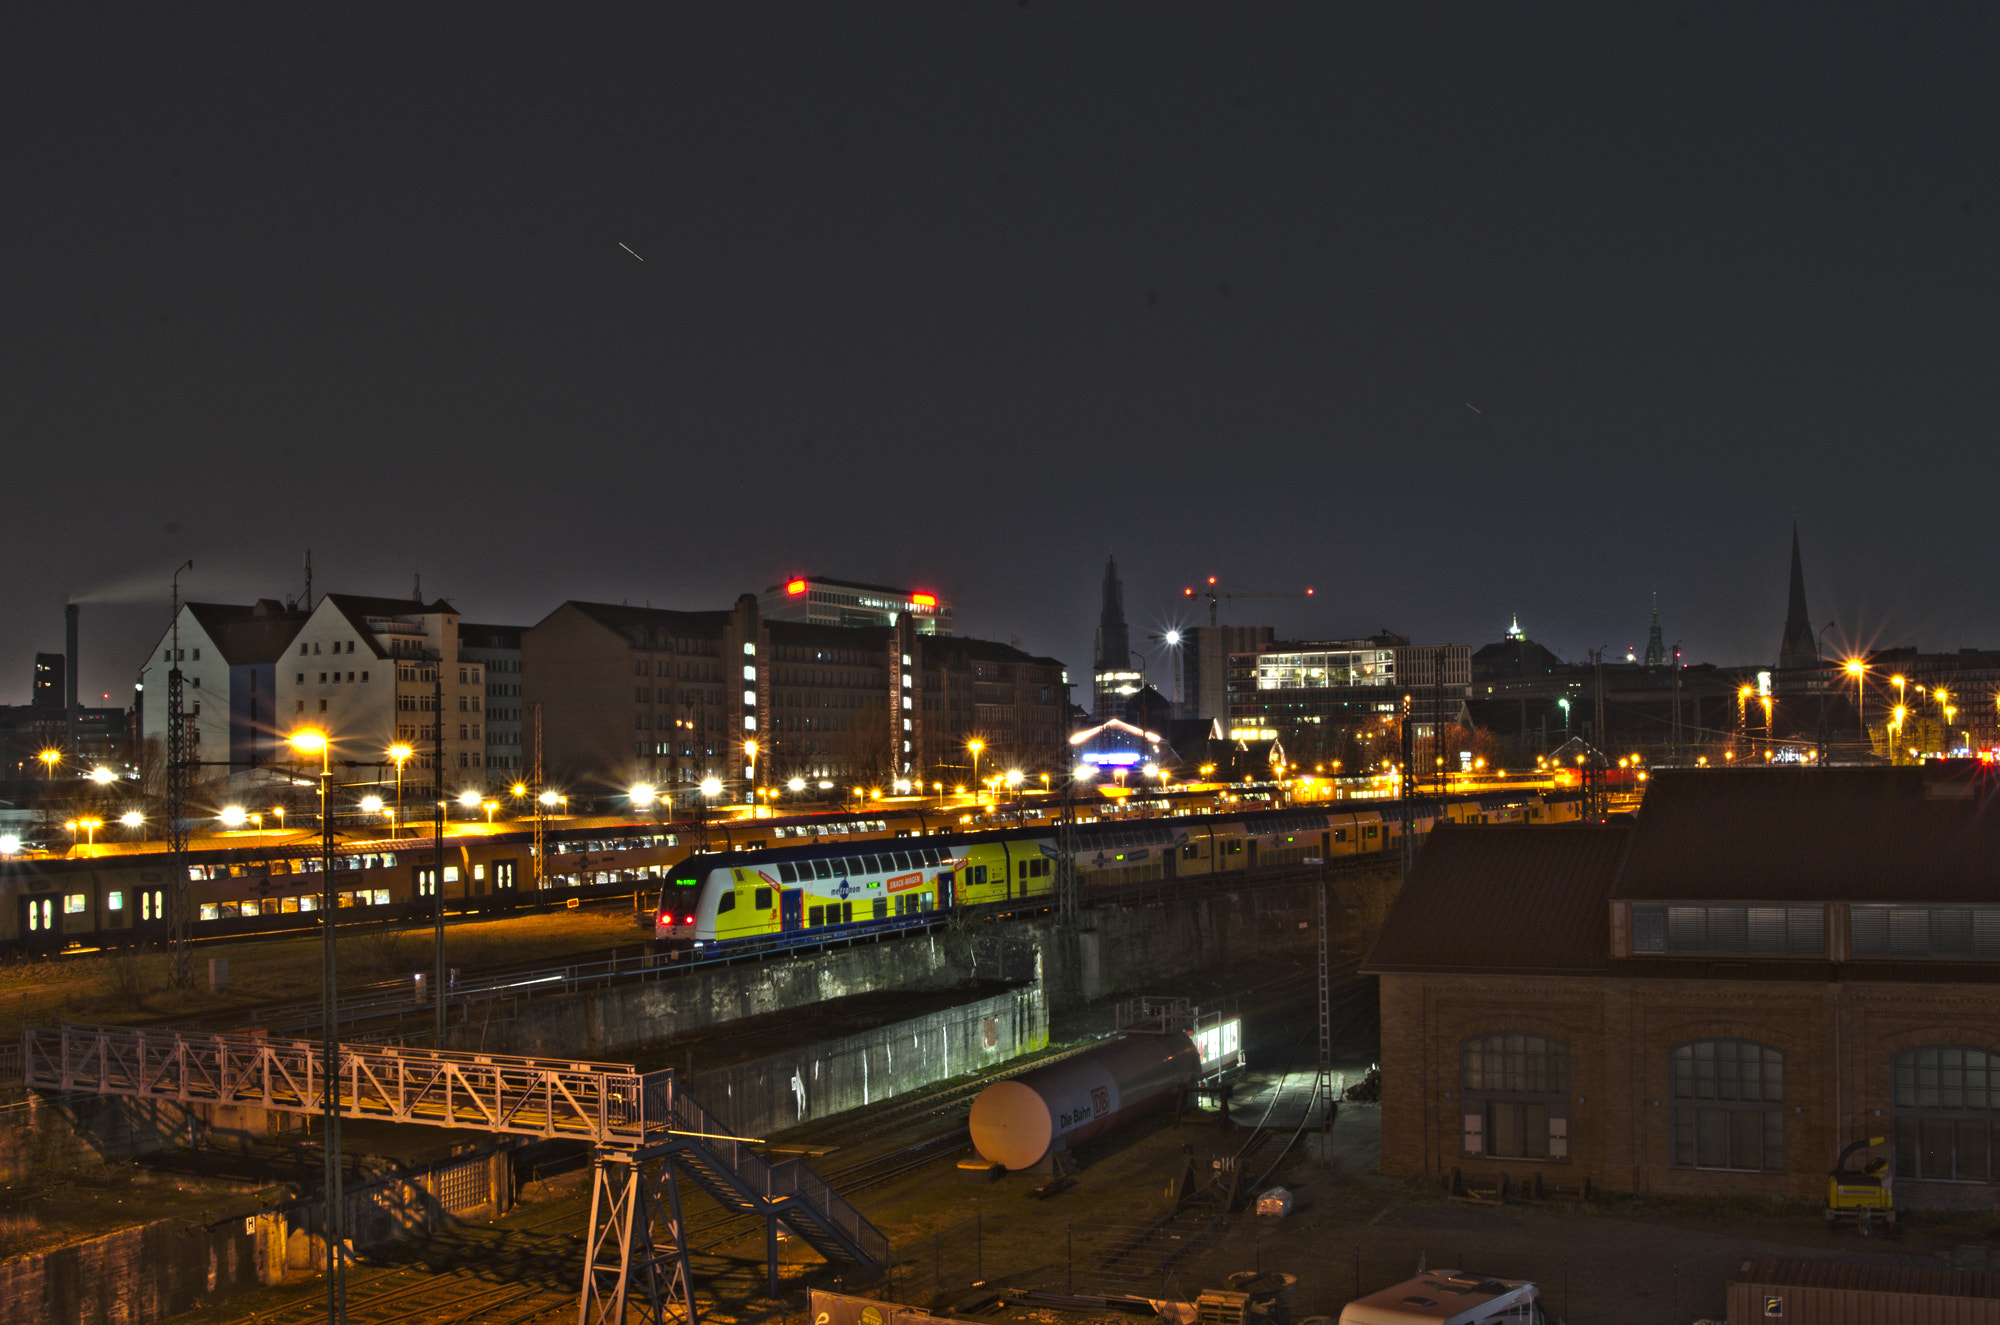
(1205, 651)
(1114, 678)
(497, 649)
(815, 600)
(1332, 699)
(49, 672)
(1800, 646)
(671, 698)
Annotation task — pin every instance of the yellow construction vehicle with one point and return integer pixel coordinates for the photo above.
(1863, 1194)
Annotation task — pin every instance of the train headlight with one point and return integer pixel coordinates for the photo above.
(9, 844)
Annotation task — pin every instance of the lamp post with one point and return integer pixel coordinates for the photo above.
(1859, 671)
(401, 754)
(309, 741)
(976, 746)
(50, 758)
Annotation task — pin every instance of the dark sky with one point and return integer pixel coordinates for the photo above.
(1451, 313)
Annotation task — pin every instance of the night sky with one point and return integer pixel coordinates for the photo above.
(1450, 313)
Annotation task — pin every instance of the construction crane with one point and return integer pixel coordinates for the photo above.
(1214, 596)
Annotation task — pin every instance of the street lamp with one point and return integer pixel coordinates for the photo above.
(1858, 670)
(233, 816)
(750, 770)
(401, 754)
(643, 794)
(310, 741)
(103, 776)
(976, 746)
(469, 799)
(50, 758)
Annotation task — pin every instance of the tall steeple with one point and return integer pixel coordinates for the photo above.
(1114, 641)
(1656, 647)
(1800, 647)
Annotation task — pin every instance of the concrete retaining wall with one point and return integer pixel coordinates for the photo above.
(140, 1274)
(766, 1095)
(1118, 950)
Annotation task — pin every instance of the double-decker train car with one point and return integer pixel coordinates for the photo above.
(827, 885)
(257, 882)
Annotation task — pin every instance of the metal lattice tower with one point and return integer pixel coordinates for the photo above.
(178, 767)
(1405, 801)
(535, 800)
(1066, 907)
(623, 1265)
(1323, 1083)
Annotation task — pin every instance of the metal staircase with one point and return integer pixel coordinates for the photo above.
(633, 1119)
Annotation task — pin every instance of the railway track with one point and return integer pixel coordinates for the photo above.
(508, 1275)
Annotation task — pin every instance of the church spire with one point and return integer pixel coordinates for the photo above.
(1656, 646)
(1800, 647)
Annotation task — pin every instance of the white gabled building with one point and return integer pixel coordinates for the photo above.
(229, 693)
(366, 671)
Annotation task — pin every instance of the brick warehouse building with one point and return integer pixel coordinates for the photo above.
(1715, 998)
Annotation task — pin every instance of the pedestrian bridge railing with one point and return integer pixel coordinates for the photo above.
(607, 1104)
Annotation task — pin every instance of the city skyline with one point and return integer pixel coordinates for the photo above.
(1451, 320)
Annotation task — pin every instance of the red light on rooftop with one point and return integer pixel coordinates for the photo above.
(924, 599)
(1309, 593)
(1188, 593)
(796, 587)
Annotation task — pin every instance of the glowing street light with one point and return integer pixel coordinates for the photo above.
(50, 758)
(132, 819)
(469, 799)
(796, 785)
(103, 776)
(977, 747)
(1858, 670)
(643, 794)
(371, 805)
(233, 816)
(711, 786)
(311, 741)
(548, 799)
(402, 754)
(9, 844)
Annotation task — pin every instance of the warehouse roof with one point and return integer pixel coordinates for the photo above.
(1492, 899)
(1929, 833)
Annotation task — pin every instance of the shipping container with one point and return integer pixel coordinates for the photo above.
(1800, 1292)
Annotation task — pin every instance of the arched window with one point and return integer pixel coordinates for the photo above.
(1516, 1092)
(1947, 1103)
(1728, 1111)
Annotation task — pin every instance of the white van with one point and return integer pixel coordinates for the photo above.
(1449, 1297)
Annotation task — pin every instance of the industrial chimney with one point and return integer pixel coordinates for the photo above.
(69, 678)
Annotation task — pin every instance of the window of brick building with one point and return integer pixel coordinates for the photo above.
(1515, 1089)
(1947, 1105)
(1728, 1111)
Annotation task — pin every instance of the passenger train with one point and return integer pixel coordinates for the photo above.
(256, 882)
(711, 899)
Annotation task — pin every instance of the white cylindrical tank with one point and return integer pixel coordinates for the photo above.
(1018, 1122)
